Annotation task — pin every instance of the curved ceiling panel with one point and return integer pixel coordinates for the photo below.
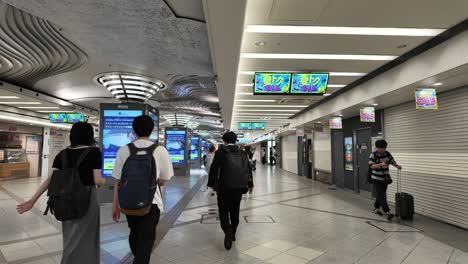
(32, 48)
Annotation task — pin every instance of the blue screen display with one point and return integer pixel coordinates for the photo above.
(258, 126)
(58, 118)
(244, 126)
(117, 132)
(75, 118)
(155, 134)
(194, 148)
(175, 145)
(272, 83)
(309, 83)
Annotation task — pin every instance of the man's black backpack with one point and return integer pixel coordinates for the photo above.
(138, 183)
(68, 196)
(236, 171)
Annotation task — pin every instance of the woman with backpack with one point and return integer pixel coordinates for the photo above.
(81, 240)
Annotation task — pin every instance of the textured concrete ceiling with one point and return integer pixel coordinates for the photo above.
(138, 33)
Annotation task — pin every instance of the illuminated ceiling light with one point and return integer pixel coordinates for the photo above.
(21, 103)
(263, 110)
(370, 31)
(244, 93)
(129, 86)
(33, 122)
(345, 74)
(327, 94)
(317, 56)
(51, 111)
(255, 100)
(178, 119)
(375, 104)
(287, 106)
(9, 97)
(437, 84)
(245, 84)
(39, 107)
(258, 114)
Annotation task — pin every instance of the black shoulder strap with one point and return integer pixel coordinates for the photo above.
(133, 149)
(150, 150)
(82, 157)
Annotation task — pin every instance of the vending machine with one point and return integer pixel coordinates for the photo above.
(116, 131)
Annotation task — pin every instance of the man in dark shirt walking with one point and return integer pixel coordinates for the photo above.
(231, 177)
(379, 162)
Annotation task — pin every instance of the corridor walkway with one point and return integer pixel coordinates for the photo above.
(288, 220)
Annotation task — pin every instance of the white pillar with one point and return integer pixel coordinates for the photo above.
(45, 152)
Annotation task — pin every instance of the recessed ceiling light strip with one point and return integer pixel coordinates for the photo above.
(317, 56)
(370, 31)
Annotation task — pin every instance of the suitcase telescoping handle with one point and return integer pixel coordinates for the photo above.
(398, 180)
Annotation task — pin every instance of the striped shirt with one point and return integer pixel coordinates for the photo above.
(376, 158)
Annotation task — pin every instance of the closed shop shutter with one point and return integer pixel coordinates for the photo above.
(432, 147)
(289, 153)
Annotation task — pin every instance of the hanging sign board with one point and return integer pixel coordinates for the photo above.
(426, 99)
(336, 123)
(368, 114)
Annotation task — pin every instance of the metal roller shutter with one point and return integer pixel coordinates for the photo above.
(432, 147)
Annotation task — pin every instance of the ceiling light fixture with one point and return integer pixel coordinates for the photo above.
(286, 106)
(336, 85)
(61, 111)
(239, 93)
(317, 56)
(327, 94)
(255, 100)
(437, 84)
(372, 31)
(345, 74)
(260, 43)
(129, 87)
(9, 97)
(245, 84)
(269, 110)
(34, 122)
(21, 103)
(39, 107)
(375, 104)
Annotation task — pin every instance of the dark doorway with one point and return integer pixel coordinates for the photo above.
(363, 151)
(338, 159)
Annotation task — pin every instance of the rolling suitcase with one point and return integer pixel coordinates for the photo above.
(404, 202)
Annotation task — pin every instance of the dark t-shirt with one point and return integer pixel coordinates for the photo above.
(93, 161)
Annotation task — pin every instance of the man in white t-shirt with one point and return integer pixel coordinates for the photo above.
(143, 228)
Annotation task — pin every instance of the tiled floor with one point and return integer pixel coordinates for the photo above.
(287, 220)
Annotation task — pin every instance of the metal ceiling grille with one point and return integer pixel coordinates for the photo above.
(130, 87)
(178, 119)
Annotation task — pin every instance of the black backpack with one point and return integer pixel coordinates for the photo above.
(138, 183)
(68, 196)
(236, 171)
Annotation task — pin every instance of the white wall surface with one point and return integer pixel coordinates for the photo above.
(289, 153)
(322, 150)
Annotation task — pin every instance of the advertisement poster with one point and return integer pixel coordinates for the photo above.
(336, 123)
(194, 148)
(368, 114)
(117, 132)
(309, 83)
(175, 145)
(426, 99)
(348, 144)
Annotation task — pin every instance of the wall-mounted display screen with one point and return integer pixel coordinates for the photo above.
(245, 126)
(426, 99)
(309, 83)
(155, 134)
(258, 126)
(58, 118)
(348, 145)
(367, 114)
(194, 148)
(336, 123)
(117, 132)
(175, 145)
(272, 83)
(75, 118)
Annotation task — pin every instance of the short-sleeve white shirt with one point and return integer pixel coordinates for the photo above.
(164, 169)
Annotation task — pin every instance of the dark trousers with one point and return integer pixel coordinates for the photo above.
(381, 196)
(272, 160)
(264, 160)
(229, 208)
(143, 234)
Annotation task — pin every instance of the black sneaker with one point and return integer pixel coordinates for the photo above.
(228, 241)
(378, 212)
(389, 216)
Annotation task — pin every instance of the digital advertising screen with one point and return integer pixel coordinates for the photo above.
(367, 114)
(117, 131)
(336, 123)
(245, 126)
(426, 99)
(58, 118)
(309, 83)
(258, 126)
(75, 118)
(155, 134)
(272, 83)
(194, 148)
(175, 145)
